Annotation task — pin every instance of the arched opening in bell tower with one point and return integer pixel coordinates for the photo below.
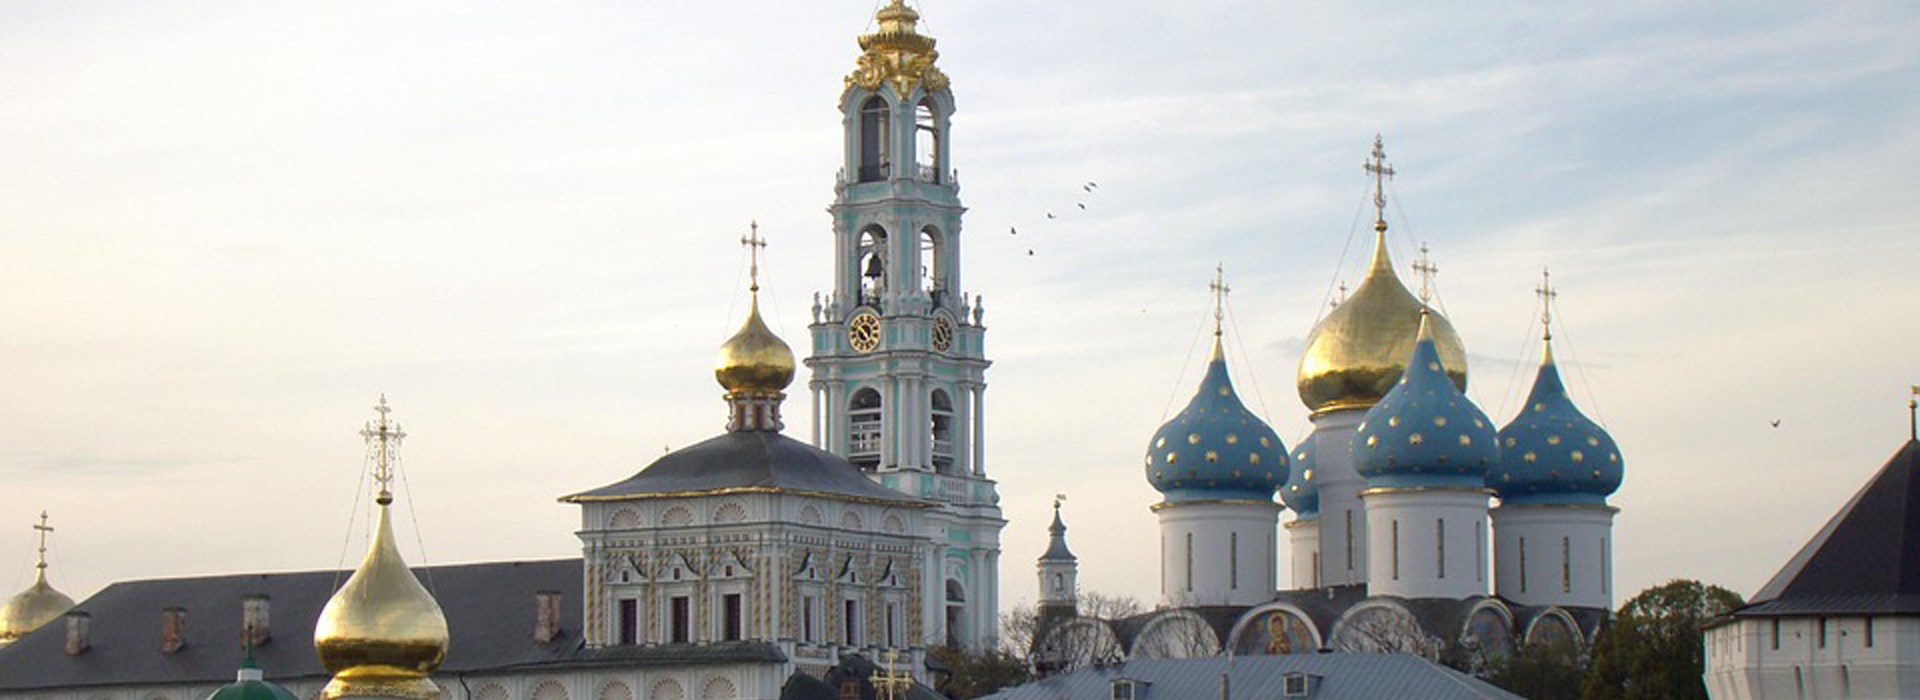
(956, 613)
(941, 413)
(863, 429)
(873, 139)
(926, 142)
(933, 266)
(873, 265)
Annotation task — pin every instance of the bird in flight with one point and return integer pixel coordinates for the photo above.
(1013, 231)
(1776, 422)
(1051, 216)
(1082, 205)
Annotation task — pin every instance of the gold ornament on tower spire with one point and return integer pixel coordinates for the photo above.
(382, 634)
(754, 362)
(40, 604)
(1361, 348)
(897, 54)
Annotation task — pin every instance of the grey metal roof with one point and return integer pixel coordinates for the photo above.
(1341, 676)
(748, 459)
(1866, 560)
(489, 609)
(1057, 539)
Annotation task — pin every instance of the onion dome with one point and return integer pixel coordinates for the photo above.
(1301, 492)
(1424, 432)
(754, 361)
(251, 685)
(382, 634)
(1354, 356)
(1216, 449)
(33, 608)
(40, 604)
(1551, 452)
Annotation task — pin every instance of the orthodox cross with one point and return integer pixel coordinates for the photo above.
(888, 681)
(1547, 294)
(383, 437)
(1381, 172)
(1913, 428)
(1426, 269)
(44, 529)
(1343, 295)
(1220, 290)
(754, 243)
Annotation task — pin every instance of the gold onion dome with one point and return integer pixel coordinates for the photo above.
(382, 634)
(754, 360)
(33, 608)
(1360, 350)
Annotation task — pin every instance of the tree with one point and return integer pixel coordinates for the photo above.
(976, 673)
(1652, 649)
(1543, 671)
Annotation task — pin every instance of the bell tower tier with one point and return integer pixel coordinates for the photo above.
(898, 357)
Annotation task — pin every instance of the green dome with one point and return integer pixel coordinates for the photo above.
(251, 685)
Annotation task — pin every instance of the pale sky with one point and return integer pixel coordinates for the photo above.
(227, 227)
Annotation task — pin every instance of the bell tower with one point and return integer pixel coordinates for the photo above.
(898, 358)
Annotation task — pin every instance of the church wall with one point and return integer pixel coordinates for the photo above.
(1744, 661)
(1343, 517)
(1566, 560)
(1303, 545)
(1427, 543)
(1218, 553)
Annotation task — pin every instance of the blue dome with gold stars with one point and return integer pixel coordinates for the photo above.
(1552, 453)
(1424, 432)
(1301, 492)
(1216, 449)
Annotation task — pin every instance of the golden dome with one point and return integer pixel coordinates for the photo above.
(382, 634)
(1359, 350)
(28, 610)
(754, 360)
(897, 54)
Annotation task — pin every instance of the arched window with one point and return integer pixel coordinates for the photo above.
(863, 429)
(873, 264)
(926, 143)
(874, 163)
(956, 613)
(933, 264)
(941, 413)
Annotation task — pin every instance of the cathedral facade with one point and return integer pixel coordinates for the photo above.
(1419, 526)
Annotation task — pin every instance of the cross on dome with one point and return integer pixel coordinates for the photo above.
(1220, 291)
(1426, 269)
(383, 437)
(44, 529)
(754, 243)
(1377, 166)
(1547, 294)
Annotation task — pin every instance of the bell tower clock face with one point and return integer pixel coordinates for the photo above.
(863, 331)
(942, 334)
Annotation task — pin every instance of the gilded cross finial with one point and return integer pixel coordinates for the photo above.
(1547, 294)
(754, 243)
(1220, 291)
(1426, 269)
(1377, 166)
(890, 682)
(383, 437)
(44, 529)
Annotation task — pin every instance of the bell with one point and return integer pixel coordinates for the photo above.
(874, 268)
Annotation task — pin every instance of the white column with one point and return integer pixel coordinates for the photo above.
(813, 395)
(890, 423)
(836, 420)
(963, 432)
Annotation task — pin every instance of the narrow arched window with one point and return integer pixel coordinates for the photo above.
(926, 143)
(940, 413)
(863, 428)
(873, 140)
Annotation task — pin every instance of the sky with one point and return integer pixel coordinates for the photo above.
(227, 228)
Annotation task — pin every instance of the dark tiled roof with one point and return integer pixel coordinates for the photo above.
(1866, 560)
(489, 609)
(748, 459)
(1338, 676)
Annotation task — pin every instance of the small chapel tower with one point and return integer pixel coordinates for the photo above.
(1059, 573)
(899, 366)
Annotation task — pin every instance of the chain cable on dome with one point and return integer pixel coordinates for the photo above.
(1173, 394)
